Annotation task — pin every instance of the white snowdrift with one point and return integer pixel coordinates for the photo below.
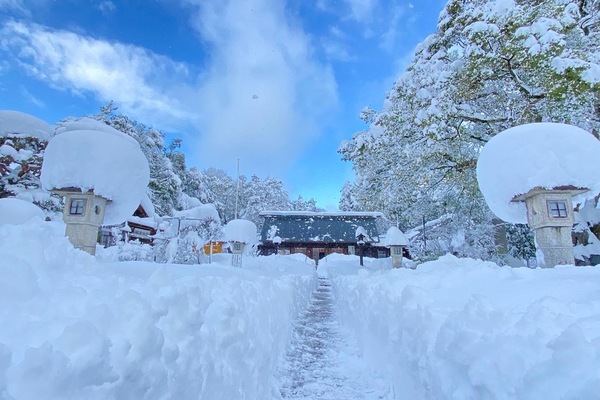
(20, 124)
(73, 328)
(107, 161)
(15, 211)
(542, 155)
(468, 329)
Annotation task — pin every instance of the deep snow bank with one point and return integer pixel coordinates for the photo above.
(74, 328)
(467, 329)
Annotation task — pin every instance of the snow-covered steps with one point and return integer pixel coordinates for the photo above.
(322, 362)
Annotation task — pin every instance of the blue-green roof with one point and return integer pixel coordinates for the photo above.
(309, 227)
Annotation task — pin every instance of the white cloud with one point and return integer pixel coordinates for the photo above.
(392, 34)
(264, 94)
(31, 98)
(14, 6)
(133, 77)
(362, 10)
(335, 50)
(107, 7)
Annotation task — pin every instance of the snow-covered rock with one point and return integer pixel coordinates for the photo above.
(539, 155)
(105, 160)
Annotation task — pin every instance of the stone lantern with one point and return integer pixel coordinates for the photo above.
(550, 215)
(361, 240)
(83, 214)
(396, 241)
(237, 247)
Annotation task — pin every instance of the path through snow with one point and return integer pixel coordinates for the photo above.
(322, 363)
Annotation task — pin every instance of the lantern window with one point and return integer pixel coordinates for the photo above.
(77, 206)
(557, 209)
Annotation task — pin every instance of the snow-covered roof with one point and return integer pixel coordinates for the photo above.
(307, 227)
(540, 155)
(107, 161)
(322, 214)
(147, 205)
(394, 237)
(16, 212)
(240, 230)
(21, 124)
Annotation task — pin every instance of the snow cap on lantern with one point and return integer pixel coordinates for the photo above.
(240, 233)
(90, 155)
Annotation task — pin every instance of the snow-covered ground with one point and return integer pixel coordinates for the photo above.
(468, 329)
(79, 327)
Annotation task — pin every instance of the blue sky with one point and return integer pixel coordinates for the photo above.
(277, 84)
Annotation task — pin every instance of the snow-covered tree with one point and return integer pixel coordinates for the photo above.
(23, 139)
(260, 195)
(165, 187)
(490, 65)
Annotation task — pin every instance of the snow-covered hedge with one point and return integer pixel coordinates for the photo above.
(468, 329)
(76, 328)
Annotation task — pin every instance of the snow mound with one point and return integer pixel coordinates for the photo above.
(21, 124)
(395, 237)
(107, 161)
(74, 328)
(469, 329)
(204, 211)
(240, 230)
(544, 155)
(17, 212)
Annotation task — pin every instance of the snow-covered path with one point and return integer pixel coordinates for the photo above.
(322, 363)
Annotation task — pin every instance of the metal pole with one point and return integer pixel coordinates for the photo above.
(237, 189)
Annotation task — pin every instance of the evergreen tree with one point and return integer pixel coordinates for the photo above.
(165, 186)
(490, 65)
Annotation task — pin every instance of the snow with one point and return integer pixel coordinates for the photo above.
(539, 155)
(361, 232)
(394, 237)
(323, 214)
(101, 158)
(467, 329)
(20, 124)
(240, 230)
(16, 212)
(77, 328)
(203, 211)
